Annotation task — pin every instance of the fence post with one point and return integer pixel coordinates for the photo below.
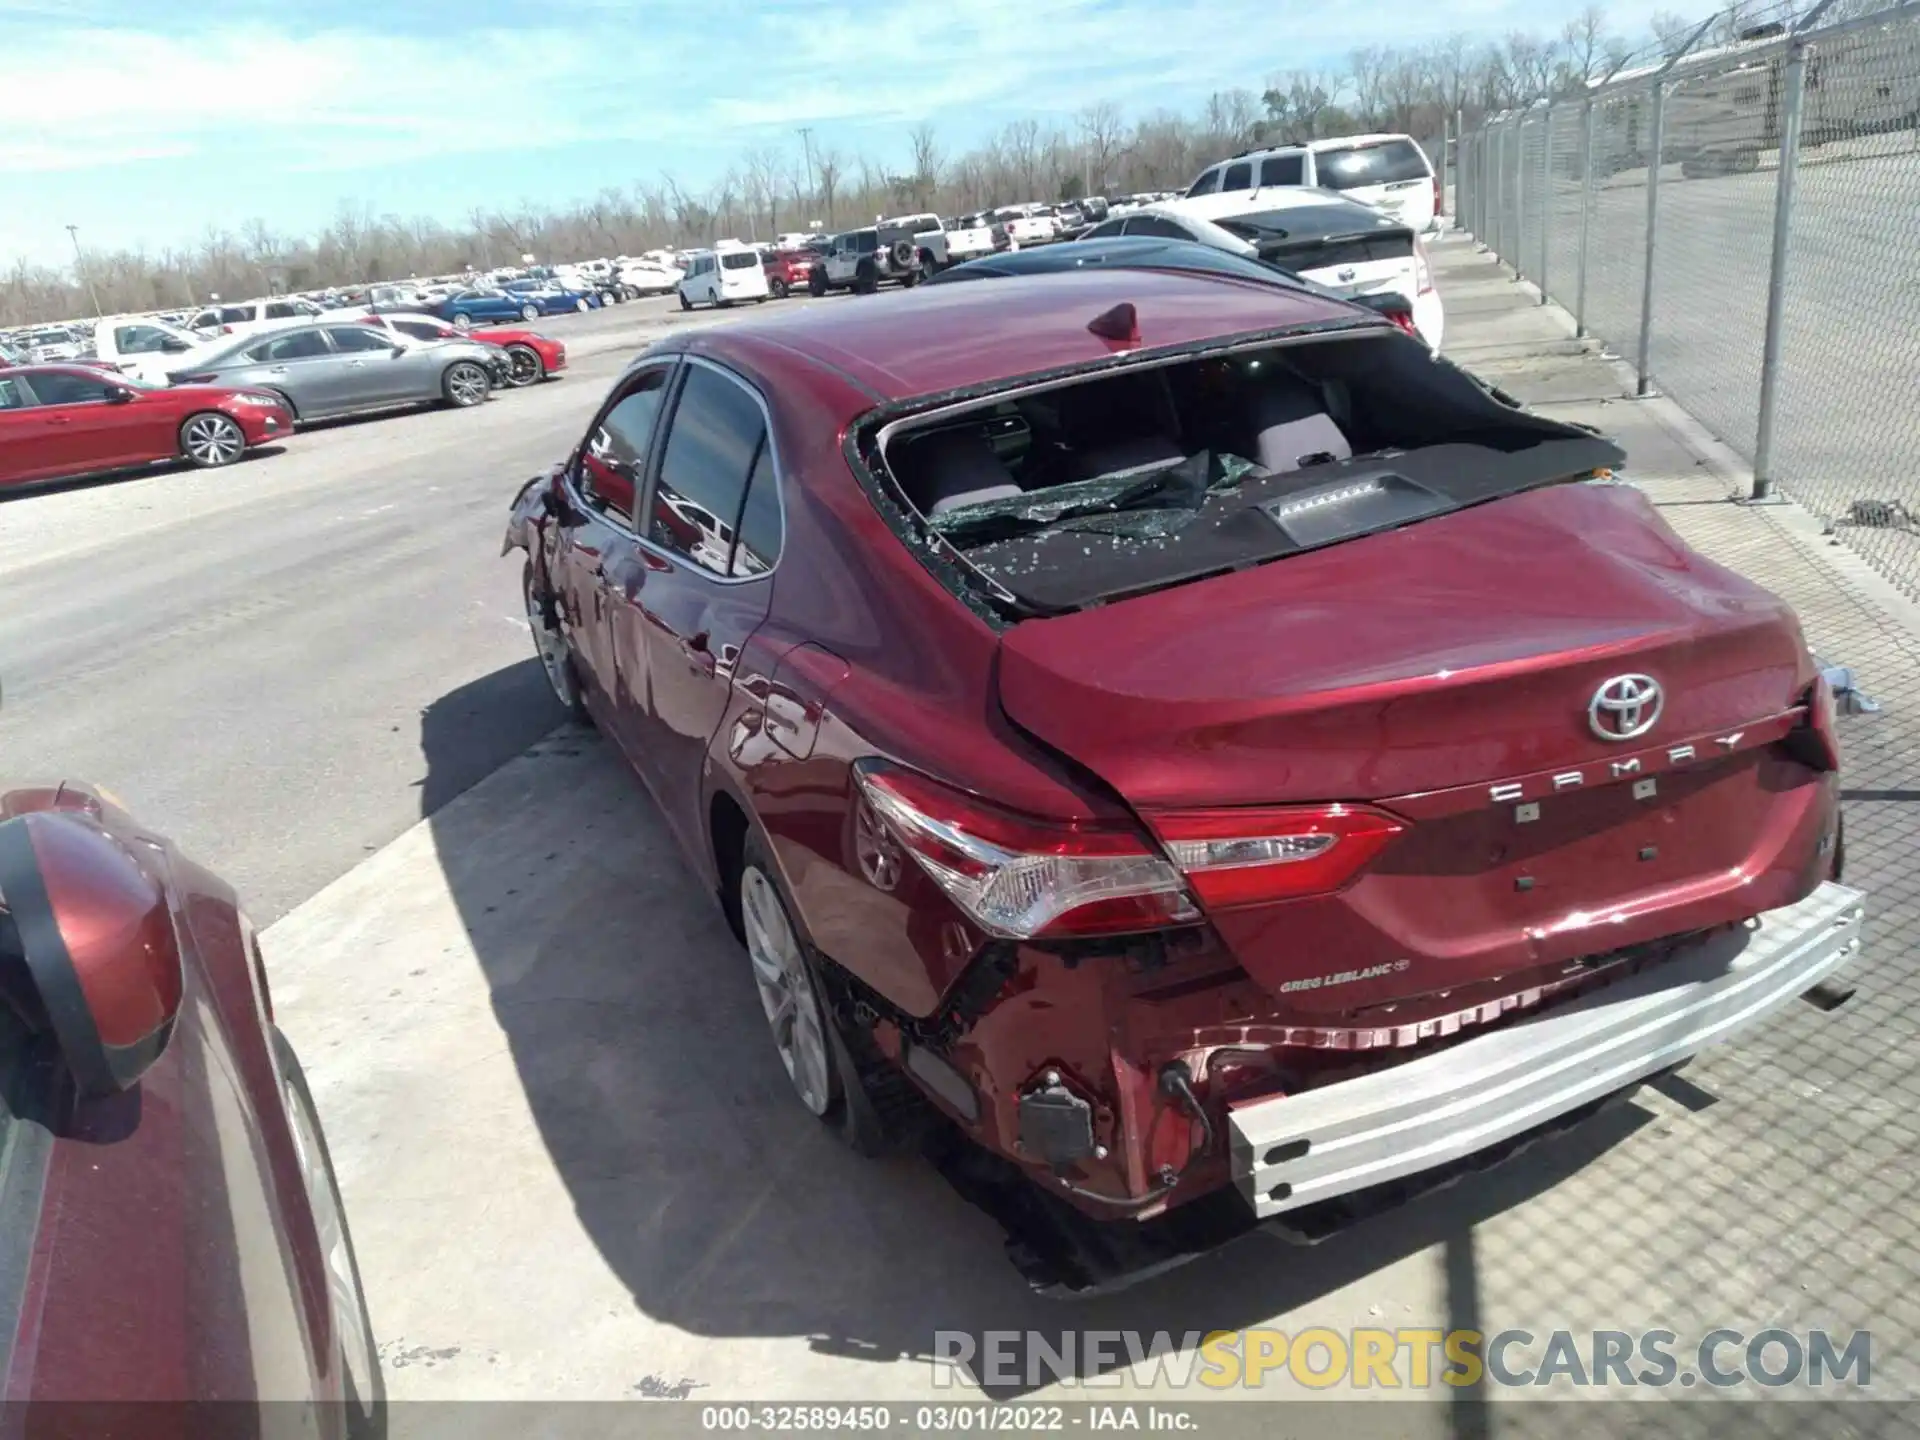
(1520, 198)
(1586, 218)
(1546, 197)
(1658, 141)
(1792, 103)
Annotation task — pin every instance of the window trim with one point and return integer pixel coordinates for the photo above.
(657, 453)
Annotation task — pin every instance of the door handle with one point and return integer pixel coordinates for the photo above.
(356, 364)
(277, 370)
(59, 419)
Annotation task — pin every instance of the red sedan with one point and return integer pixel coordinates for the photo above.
(1217, 757)
(174, 1231)
(788, 271)
(534, 356)
(62, 421)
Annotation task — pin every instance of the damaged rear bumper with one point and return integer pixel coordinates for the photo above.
(1298, 1150)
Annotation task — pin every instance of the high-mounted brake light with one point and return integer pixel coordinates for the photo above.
(1021, 877)
(1252, 856)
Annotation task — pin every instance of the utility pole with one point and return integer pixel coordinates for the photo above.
(806, 146)
(80, 267)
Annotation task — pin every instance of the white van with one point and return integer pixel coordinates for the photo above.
(720, 277)
(1389, 172)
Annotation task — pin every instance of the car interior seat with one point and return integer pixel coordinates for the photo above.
(1119, 425)
(1290, 424)
(950, 468)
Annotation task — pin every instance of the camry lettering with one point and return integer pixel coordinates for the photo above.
(1731, 740)
(1626, 767)
(1568, 779)
(1679, 753)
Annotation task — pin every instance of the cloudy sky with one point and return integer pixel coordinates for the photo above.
(147, 121)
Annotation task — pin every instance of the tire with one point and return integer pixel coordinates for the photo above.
(526, 366)
(819, 1065)
(363, 1386)
(209, 440)
(866, 279)
(901, 253)
(465, 384)
(779, 289)
(529, 312)
(817, 282)
(554, 652)
(463, 322)
(685, 303)
(580, 306)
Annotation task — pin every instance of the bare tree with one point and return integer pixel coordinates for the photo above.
(827, 173)
(1101, 132)
(926, 163)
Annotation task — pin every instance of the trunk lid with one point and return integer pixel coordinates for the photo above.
(1444, 672)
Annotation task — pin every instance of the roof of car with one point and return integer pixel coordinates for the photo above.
(933, 338)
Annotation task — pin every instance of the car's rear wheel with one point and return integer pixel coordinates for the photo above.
(779, 289)
(464, 321)
(465, 384)
(799, 1013)
(210, 439)
(556, 655)
(524, 366)
(581, 306)
(363, 1388)
(685, 303)
(817, 282)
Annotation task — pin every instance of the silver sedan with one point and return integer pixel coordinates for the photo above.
(324, 370)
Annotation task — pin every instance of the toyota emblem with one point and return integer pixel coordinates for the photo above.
(1625, 707)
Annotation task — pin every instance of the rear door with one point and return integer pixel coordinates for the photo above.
(1392, 175)
(26, 452)
(597, 561)
(303, 364)
(372, 373)
(710, 541)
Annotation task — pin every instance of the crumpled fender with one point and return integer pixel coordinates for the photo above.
(528, 514)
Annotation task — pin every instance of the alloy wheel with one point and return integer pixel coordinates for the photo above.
(211, 440)
(463, 321)
(551, 646)
(525, 363)
(467, 385)
(786, 990)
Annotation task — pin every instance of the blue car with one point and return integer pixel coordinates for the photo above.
(486, 307)
(553, 298)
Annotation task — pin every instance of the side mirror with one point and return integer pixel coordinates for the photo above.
(175, 347)
(98, 938)
(398, 349)
(118, 394)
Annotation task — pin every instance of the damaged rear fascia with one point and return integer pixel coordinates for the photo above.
(996, 605)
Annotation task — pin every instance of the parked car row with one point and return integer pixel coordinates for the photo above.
(209, 403)
(1186, 864)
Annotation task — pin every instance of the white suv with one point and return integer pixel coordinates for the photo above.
(722, 276)
(252, 315)
(1389, 172)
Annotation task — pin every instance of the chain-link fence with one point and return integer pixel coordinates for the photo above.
(1739, 217)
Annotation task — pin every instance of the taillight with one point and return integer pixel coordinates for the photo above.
(1252, 856)
(1815, 742)
(1422, 269)
(1022, 877)
(1439, 197)
(1404, 319)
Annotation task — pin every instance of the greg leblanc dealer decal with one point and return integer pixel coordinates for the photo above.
(1345, 977)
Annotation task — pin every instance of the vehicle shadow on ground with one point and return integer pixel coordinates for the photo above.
(720, 1205)
(160, 471)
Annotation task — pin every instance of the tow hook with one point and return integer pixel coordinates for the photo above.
(1176, 1082)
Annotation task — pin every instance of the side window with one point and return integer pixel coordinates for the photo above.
(62, 387)
(237, 315)
(1156, 225)
(757, 537)
(13, 395)
(280, 310)
(1103, 230)
(1208, 182)
(1238, 177)
(614, 461)
(204, 319)
(358, 338)
(1282, 170)
(138, 339)
(301, 345)
(713, 443)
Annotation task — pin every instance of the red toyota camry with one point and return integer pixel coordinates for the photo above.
(62, 421)
(534, 356)
(1175, 728)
